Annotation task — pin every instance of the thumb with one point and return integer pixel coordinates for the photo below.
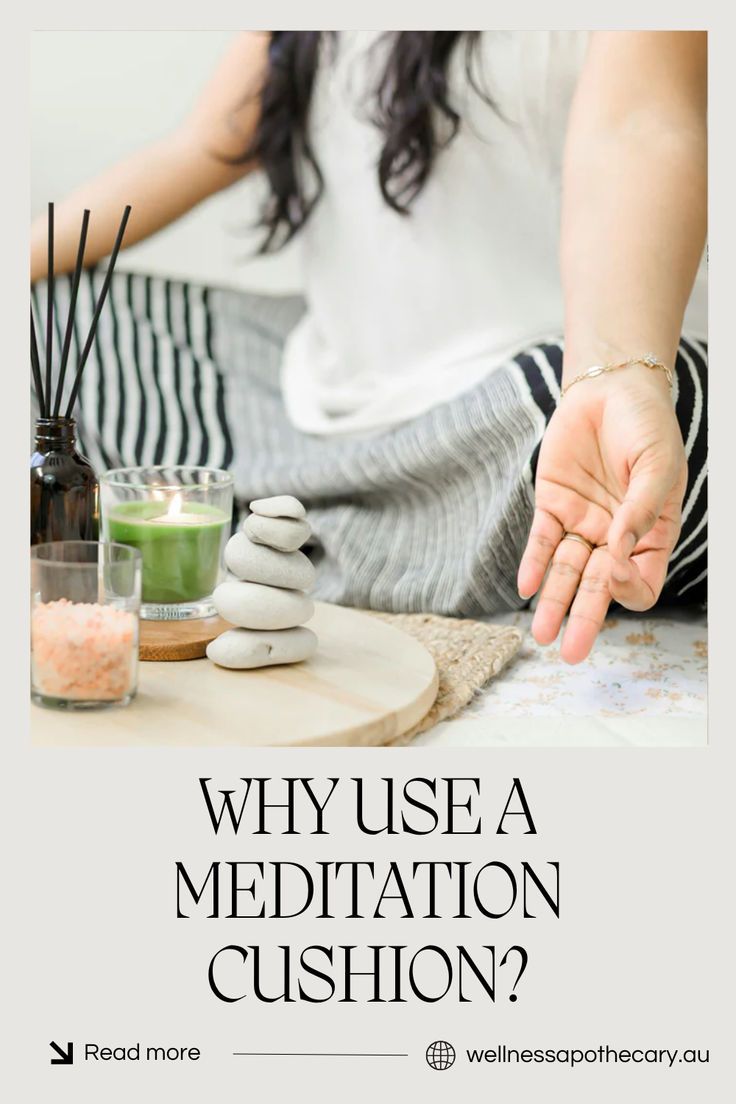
(637, 514)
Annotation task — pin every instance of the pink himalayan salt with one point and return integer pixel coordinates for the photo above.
(83, 651)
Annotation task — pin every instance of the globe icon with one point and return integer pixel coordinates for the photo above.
(440, 1055)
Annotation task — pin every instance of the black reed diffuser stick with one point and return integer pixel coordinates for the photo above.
(50, 307)
(98, 311)
(36, 367)
(70, 317)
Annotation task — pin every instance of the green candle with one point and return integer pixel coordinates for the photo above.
(181, 550)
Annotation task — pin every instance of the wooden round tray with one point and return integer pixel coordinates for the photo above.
(368, 683)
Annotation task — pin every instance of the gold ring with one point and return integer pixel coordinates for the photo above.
(579, 539)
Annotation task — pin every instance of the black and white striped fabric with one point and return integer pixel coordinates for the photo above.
(431, 515)
(152, 392)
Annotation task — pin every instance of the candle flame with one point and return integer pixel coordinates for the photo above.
(176, 514)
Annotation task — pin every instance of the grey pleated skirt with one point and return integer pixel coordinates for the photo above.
(431, 515)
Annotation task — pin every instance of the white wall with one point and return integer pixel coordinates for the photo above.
(97, 95)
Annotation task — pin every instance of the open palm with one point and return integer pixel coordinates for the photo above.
(612, 469)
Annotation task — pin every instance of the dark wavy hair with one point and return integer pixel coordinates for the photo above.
(412, 109)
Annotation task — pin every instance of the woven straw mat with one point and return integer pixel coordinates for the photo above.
(468, 655)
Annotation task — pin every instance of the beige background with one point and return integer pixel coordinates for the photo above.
(632, 961)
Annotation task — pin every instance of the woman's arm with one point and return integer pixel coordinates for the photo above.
(168, 178)
(634, 195)
(612, 465)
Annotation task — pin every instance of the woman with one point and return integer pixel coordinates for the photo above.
(406, 404)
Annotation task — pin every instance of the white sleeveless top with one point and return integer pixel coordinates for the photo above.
(404, 312)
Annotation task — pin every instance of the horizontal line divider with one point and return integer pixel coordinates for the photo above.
(313, 1054)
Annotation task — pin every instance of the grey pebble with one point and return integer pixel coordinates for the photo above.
(257, 563)
(279, 506)
(244, 648)
(284, 534)
(254, 606)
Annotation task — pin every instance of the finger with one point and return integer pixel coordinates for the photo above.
(638, 513)
(643, 584)
(545, 535)
(588, 611)
(559, 590)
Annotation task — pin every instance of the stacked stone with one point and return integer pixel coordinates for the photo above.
(267, 601)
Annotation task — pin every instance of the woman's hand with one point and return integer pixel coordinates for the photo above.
(611, 468)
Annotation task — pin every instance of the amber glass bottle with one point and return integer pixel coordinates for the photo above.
(64, 488)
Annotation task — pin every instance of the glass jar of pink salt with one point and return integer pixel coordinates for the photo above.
(85, 605)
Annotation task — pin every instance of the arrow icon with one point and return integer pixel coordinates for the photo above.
(66, 1057)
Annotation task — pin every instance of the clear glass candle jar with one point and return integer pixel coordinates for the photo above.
(179, 518)
(85, 602)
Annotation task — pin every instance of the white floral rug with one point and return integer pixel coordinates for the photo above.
(644, 684)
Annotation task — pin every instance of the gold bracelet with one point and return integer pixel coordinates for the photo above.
(648, 360)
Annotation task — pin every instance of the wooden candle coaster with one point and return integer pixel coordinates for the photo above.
(161, 641)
